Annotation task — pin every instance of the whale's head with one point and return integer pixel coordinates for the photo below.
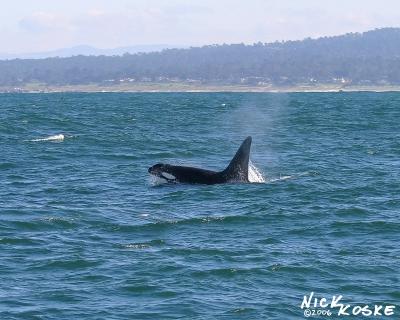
(162, 171)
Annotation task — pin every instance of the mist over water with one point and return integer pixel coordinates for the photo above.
(84, 234)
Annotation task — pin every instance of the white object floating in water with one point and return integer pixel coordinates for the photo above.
(57, 137)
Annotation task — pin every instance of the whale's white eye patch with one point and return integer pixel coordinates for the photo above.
(167, 176)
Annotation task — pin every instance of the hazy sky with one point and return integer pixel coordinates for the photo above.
(41, 25)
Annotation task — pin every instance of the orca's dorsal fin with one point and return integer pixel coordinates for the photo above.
(238, 168)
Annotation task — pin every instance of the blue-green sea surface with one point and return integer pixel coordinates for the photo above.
(86, 234)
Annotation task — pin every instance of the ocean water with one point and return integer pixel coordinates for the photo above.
(86, 234)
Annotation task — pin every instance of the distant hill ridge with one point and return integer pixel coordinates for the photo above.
(86, 51)
(371, 57)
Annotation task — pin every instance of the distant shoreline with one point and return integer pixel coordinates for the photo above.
(184, 87)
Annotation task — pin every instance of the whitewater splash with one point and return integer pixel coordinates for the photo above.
(280, 178)
(156, 181)
(55, 138)
(255, 175)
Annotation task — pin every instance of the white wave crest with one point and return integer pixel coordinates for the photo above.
(281, 178)
(294, 176)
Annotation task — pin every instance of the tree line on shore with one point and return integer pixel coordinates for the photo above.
(371, 57)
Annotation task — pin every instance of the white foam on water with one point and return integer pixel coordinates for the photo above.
(287, 177)
(57, 137)
(137, 246)
(156, 181)
(255, 175)
(281, 178)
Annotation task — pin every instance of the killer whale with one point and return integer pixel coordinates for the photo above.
(236, 171)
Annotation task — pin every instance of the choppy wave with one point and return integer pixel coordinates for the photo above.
(83, 236)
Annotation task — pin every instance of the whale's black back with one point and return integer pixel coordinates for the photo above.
(195, 175)
(236, 171)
